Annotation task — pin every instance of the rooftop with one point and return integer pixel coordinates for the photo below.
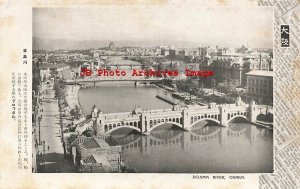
(94, 143)
(94, 158)
(88, 144)
(52, 66)
(260, 73)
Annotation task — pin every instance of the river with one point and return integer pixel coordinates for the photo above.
(240, 148)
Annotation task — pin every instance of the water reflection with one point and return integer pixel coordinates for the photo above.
(241, 142)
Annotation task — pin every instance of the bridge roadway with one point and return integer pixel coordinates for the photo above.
(96, 79)
(118, 66)
(185, 117)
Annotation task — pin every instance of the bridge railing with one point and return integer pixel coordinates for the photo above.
(159, 110)
(113, 78)
(118, 116)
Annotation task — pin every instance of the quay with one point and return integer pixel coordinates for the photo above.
(166, 100)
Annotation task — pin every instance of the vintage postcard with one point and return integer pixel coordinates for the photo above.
(150, 94)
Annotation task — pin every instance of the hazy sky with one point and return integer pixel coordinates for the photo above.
(206, 26)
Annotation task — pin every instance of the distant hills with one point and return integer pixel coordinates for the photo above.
(54, 44)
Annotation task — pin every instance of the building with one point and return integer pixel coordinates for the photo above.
(172, 53)
(258, 63)
(165, 52)
(202, 52)
(181, 53)
(228, 69)
(50, 70)
(260, 85)
(226, 51)
(45, 74)
(96, 154)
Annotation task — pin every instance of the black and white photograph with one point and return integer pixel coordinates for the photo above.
(158, 89)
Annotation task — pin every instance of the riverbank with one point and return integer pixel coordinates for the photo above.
(265, 125)
(185, 97)
(71, 96)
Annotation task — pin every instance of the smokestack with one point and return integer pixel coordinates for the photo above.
(259, 61)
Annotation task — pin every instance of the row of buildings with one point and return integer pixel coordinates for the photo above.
(230, 65)
(252, 71)
(158, 51)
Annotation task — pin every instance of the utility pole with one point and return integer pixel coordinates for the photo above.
(213, 85)
(39, 119)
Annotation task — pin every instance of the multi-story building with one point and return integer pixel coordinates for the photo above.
(165, 52)
(202, 52)
(258, 62)
(45, 74)
(172, 53)
(226, 68)
(181, 53)
(232, 67)
(260, 85)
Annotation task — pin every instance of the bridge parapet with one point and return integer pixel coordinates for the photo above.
(196, 106)
(158, 110)
(212, 105)
(116, 115)
(96, 79)
(165, 113)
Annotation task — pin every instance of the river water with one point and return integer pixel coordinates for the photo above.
(240, 148)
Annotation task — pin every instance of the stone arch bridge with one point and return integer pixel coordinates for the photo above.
(144, 121)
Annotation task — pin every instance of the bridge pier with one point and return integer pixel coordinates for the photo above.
(223, 116)
(253, 111)
(99, 129)
(186, 114)
(143, 119)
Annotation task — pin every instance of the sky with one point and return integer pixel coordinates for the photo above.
(223, 26)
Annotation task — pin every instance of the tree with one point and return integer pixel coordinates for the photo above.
(75, 112)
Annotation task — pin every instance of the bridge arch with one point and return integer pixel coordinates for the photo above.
(124, 126)
(161, 123)
(205, 119)
(242, 116)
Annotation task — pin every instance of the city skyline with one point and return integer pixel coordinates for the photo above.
(69, 28)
